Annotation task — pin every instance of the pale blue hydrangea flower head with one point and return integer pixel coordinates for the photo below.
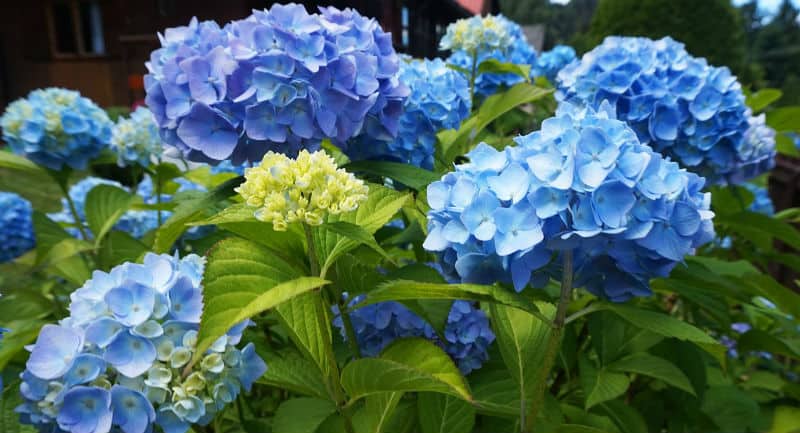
(16, 226)
(513, 47)
(116, 363)
(279, 80)
(439, 99)
(762, 203)
(135, 139)
(467, 334)
(549, 63)
(56, 127)
(584, 183)
(680, 105)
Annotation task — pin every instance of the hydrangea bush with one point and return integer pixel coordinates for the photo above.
(16, 226)
(120, 359)
(56, 128)
(439, 99)
(678, 104)
(159, 309)
(270, 82)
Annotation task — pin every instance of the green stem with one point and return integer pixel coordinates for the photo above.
(472, 76)
(158, 191)
(348, 329)
(553, 345)
(312, 251)
(73, 210)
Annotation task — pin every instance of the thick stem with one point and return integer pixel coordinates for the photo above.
(553, 345)
(472, 76)
(312, 252)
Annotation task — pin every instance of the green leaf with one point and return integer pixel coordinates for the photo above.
(756, 340)
(455, 143)
(16, 162)
(287, 244)
(606, 386)
(762, 225)
(786, 419)
(381, 205)
(655, 367)
(237, 212)
(521, 338)
(785, 146)
(784, 119)
(377, 413)
(578, 428)
(730, 408)
(628, 419)
(407, 365)
(759, 100)
(358, 234)
(439, 413)
(301, 415)
(288, 370)
(407, 174)
(241, 280)
(668, 326)
(495, 393)
(105, 205)
(308, 320)
(191, 210)
(119, 247)
(9, 400)
(400, 290)
(498, 67)
(22, 333)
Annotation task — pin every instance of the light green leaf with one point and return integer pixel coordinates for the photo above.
(521, 338)
(655, 367)
(607, 386)
(759, 100)
(358, 234)
(16, 162)
(400, 290)
(498, 67)
(455, 143)
(243, 279)
(668, 326)
(378, 209)
(440, 413)
(307, 321)
(786, 419)
(785, 145)
(105, 205)
(407, 174)
(301, 415)
(288, 370)
(237, 212)
(22, 333)
(191, 210)
(495, 393)
(784, 119)
(377, 413)
(48, 234)
(412, 364)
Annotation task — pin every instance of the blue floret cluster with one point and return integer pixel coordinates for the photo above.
(582, 183)
(513, 48)
(135, 139)
(55, 128)
(467, 335)
(117, 362)
(762, 203)
(439, 99)
(549, 63)
(16, 226)
(279, 80)
(678, 104)
(134, 222)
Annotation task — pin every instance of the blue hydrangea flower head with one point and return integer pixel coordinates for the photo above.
(584, 183)
(467, 335)
(228, 167)
(16, 226)
(680, 105)
(513, 47)
(56, 127)
(116, 363)
(762, 203)
(135, 139)
(439, 99)
(549, 63)
(279, 80)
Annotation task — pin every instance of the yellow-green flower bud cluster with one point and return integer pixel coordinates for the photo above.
(304, 189)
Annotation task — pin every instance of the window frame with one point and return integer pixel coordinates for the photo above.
(77, 23)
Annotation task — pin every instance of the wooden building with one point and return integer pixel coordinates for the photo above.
(99, 47)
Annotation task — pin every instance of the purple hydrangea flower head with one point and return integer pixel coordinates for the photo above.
(680, 105)
(280, 80)
(56, 127)
(116, 363)
(467, 334)
(16, 226)
(511, 47)
(550, 62)
(439, 99)
(583, 183)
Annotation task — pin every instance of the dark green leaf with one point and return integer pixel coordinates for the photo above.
(21, 333)
(655, 367)
(301, 415)
(439, 413)
(730, 408)
(288, 370)
(756, 340)
(628, 419)
(105, 205)
(9, 400)
(407, 174)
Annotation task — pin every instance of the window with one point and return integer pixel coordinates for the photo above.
(76, 28)
(404, 25)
